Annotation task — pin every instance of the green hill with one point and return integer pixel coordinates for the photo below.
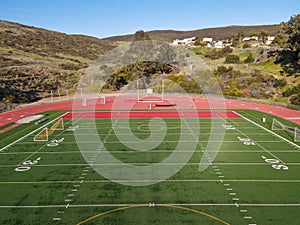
(34, 61)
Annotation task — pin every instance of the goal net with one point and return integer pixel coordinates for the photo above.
(91, 101)
(297, 134)
(294, 131)
(58, 125)
(42, 136)
(276, 125)
(45, 133)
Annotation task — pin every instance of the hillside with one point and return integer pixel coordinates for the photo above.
(34, 61)
(216, 33)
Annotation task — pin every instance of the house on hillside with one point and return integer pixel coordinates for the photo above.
(207, 39)
(219, 44)
(270, 40)
(185, 41)
(253, 38)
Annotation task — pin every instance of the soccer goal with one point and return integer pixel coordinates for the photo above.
(42, 136)
(58, 125)
(91, 101)
(276, 125)
(151, 90)
(45, 133)
(297, 134)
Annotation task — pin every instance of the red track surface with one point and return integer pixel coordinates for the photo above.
(122, 103)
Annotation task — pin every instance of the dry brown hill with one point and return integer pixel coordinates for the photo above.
(216, 33)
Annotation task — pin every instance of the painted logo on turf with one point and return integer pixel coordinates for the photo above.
(147, 77)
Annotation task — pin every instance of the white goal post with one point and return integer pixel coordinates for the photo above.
(99, 100)
(297, 134)
(150, 92)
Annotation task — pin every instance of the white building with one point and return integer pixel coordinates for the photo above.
(270, 39)
(207, 39)
(219, 44)
(185, 41)
(255, 38)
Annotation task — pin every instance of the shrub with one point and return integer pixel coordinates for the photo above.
(232, 59)
(279, 83)
(246, 45)
(295, 100)
(249, 59)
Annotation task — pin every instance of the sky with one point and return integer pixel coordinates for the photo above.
(105, 18)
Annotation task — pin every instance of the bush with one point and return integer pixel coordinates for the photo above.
(249, 59)
(246, 45)
(295, 100)
(291, 91)
(279, 83)
(232, 59)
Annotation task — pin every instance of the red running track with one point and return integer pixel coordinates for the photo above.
(200, 103)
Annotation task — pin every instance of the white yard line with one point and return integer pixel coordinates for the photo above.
(156, 151)
(277, 135)
(266, 150)
(156, 204)
(148, 163)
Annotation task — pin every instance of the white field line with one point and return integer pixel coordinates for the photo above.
(118, 142)
(147, 163)
(267, 151)
(277, 135)
(169, 133)
(158, 205)
(32, 132)
(156, 151)
(163, 181)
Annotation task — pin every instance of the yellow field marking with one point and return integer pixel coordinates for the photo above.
(196, 211)
(166, 181)
(107, 212)
(159, 205)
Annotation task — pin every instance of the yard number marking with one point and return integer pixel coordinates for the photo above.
(228, 127)
(55, 142)
(246, 141)
(26, 165)
(72, 128)
(276, 164)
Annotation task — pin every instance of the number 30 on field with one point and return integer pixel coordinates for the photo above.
(276, 164)
(27, 165)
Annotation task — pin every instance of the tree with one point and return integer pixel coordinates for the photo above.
(232, 59)
(141, 36)
(263, 36)
(289, 57)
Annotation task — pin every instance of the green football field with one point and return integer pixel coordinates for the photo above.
(254, 178)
